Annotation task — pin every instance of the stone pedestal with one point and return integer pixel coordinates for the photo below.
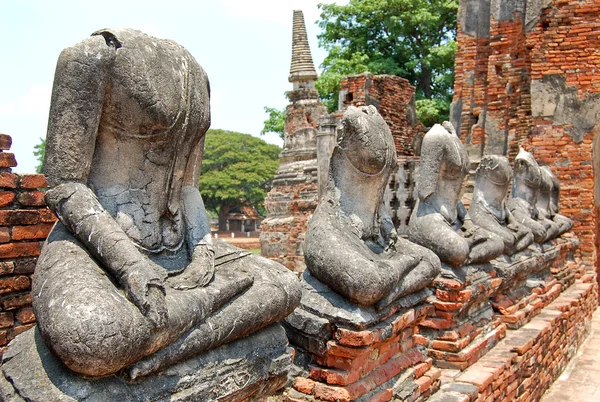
(527, 284)
(245, 370)
(346, 352)
(534, 279)
(461, 327)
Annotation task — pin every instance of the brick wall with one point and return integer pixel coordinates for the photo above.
(25, 222)
(528, 74)
(394, 99)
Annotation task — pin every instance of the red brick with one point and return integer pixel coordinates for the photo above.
(19, 330)
(14, 284)
(330, 393)
(4, 235)
(13, 302)
(19, 217)
(47, 216)
(5, 142)
(7, 320)
(6, 198)
(304, 385)
(7, 160)
(25, 315)
(33, 181)
(15, 250)
(32, 232)
(354, 338)
(8, 180)
(32, 199)
(453, 296)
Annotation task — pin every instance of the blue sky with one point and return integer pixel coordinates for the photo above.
(244, 46)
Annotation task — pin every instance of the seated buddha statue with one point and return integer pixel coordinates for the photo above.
(351, 244)
(523, 200)
(129, 278)
(565, 224)
(439, 220)
(488, 207)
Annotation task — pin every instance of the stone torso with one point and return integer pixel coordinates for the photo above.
(150, 125)
(454, 167)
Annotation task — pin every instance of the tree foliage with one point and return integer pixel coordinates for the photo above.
(275, 123)
(237, 169)
(414, 39)
(39, 151)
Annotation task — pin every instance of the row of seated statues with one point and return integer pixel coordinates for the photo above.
(129, 279)
(352, 246)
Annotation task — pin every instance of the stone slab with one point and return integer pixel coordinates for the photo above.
(246, 369)
(321, 301)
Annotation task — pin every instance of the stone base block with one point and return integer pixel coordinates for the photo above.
(567, 267)
(347, 353)
(245, 370)
(533, 280)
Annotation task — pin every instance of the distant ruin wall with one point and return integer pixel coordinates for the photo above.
(528, 74)
(25, 222)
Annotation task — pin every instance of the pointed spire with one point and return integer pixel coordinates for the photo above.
(302, 68)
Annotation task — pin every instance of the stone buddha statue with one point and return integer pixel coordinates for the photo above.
(523, 201)
(439, 220)
(351, 244)
(565, 224)
(129, 278)
(488, 207)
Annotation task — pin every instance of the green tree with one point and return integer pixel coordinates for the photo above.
(275, 123)
(414, 39)
(39, 151)
(237, 169)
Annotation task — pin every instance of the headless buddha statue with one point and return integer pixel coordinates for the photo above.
(129, 277)
(439, 220)
(488, 208)
(523, 201)
(565, 224)
(351, 245)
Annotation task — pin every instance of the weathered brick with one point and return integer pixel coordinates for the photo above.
(19, 217)
(16, 250)
(5, 142)
(7, 320)
(24, 266)
(7, 160)
(31, 232)
(4, 235)
(13, 302)
(32, 198)
(25, 315)
(14, 284)
(6, 198)
(7, 267)
(8, 180)
(33, 181)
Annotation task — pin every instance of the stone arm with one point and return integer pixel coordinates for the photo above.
(81, 79)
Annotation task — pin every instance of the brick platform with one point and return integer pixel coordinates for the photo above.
(460, 329)
(524, 364)
(348, 353)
